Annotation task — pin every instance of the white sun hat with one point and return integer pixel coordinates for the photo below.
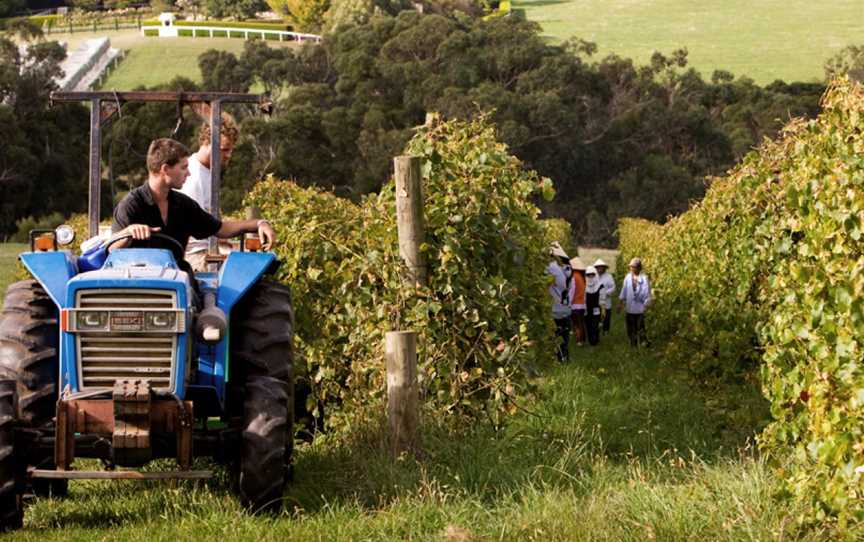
(577, 264)
(556, 250)
(600, 263)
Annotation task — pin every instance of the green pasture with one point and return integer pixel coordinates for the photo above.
(151, 61)
(764, 40)
(8, 257)
(615, 446)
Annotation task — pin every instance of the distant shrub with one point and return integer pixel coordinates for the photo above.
(28, 223)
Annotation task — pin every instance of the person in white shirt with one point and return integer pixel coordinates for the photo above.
(198, 185)
(561, 292)
(607, 293)
(636, 296)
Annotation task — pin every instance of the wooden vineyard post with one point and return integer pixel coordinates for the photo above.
(400, 347)
(409, 217)
(400, 352)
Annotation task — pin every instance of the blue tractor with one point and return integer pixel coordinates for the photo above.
(132, 359)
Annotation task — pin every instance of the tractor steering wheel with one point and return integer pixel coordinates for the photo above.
(176, 248)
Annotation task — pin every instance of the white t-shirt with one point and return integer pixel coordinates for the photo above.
(198, 187)
(608, 290)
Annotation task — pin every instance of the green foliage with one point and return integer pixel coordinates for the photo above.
(239, 9)
(223, 67)
(503, 10)
(306, 15)
(26, 224)
(40, 169)
(11, 7)
(767, 269)
(346, 13)
(482, 321)
(616, 138)
(559, 230)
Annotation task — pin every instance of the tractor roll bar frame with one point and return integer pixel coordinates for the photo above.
(104, 105)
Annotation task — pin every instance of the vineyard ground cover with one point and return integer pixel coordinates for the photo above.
(768, 40)
(604, 454)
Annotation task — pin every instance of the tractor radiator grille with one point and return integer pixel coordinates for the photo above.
(106, 357)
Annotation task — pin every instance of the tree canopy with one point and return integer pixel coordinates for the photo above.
(42, 162)
(615, 137)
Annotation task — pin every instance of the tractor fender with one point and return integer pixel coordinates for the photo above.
(53, 270)
(239, 272)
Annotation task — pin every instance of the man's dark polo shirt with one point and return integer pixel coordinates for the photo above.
(185, 217)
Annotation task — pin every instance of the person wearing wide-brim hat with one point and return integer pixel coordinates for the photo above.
(560, 292)
(577, 303)
(606, 294)
(636, 295)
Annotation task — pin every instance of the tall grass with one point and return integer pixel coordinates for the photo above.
(614, 447)
(8, 257)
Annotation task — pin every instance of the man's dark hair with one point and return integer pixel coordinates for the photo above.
(165, 151)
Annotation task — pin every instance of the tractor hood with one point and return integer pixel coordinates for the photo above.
(134, 272)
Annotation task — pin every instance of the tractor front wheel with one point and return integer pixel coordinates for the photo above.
(29, 352)
(263, 382)
(11, 506)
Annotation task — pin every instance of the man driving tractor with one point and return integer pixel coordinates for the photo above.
(158, 206)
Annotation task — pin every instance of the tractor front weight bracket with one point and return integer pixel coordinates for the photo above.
(133, 419)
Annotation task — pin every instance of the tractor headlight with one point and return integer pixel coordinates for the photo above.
(64, 235)
(160, 321)
(91, 321)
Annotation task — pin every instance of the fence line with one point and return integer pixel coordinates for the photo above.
(173, 31)
(71, 29)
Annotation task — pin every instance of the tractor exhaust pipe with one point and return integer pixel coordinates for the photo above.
(211, 324)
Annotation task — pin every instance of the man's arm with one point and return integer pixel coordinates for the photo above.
(139, 232)
(232, 228)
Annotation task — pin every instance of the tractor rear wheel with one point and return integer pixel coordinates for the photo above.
(29, 337)
(262, 375)
(11, 506)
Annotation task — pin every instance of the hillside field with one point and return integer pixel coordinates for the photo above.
(151, 61)
(765, 40)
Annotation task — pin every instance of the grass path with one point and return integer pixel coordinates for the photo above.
(615, 447)
(765, 40)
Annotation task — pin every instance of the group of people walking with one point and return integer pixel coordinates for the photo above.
(582, 300)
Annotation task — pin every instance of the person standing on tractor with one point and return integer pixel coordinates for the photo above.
(157, 206)
(198, 185)
(606, 293)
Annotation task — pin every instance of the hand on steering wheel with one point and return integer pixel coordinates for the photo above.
(176, 247)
